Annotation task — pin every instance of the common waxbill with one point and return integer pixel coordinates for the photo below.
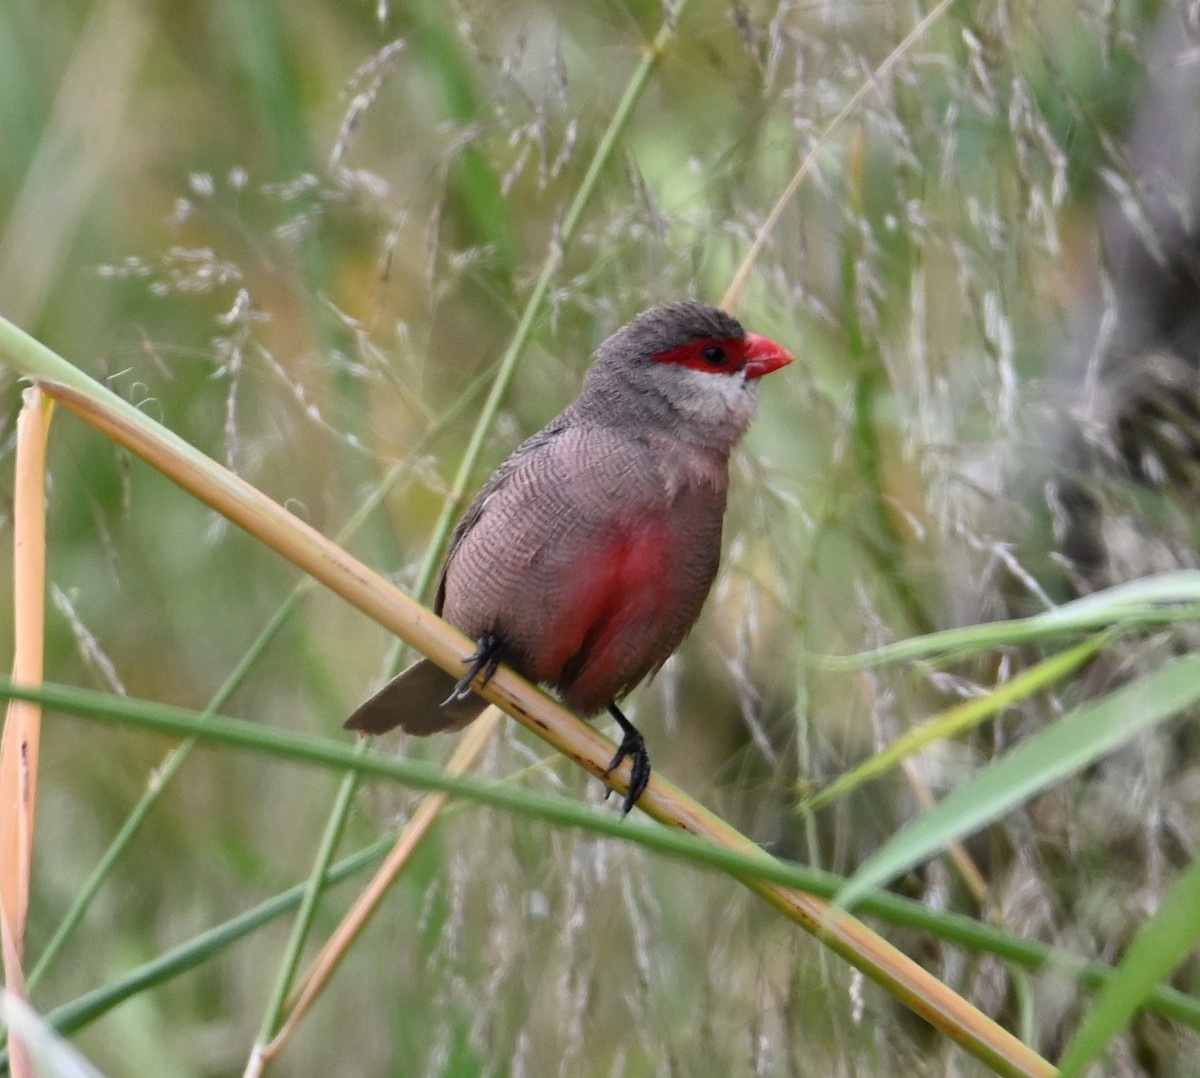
(586, 557)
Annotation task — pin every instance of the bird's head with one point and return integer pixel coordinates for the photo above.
(686, 367)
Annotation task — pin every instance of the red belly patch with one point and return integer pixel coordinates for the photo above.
(608, 597)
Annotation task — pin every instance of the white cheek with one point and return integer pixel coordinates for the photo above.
(717, 398)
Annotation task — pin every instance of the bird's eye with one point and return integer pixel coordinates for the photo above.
(714, 355)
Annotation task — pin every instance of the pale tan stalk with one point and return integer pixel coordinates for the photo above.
(21, 742)
(549, 720)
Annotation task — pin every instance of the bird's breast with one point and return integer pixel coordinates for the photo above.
(623, 601)
(591, 576)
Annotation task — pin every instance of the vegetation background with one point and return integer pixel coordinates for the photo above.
(302, 234)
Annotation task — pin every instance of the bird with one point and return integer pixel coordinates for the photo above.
(585, 559)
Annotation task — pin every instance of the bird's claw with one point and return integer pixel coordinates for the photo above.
(485, 657)
(633, 745)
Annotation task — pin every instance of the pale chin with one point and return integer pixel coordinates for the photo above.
(722, 402)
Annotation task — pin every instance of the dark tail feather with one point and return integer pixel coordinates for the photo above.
(413, 701)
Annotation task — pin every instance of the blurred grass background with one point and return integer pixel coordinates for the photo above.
(301, 235)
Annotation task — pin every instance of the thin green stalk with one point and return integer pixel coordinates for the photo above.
(537, 297)
(167, 770)
(87, 1008)
(174, 760)
(505, 372)
(953, 721)
(314, 887)
(281, 744)
(316, 883)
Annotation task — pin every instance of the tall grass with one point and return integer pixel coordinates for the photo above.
(303, 236)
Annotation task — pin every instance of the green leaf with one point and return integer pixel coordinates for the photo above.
(1156, 600)
(281, 744)
(1060, 750)
(1163, 942)
(956, 719)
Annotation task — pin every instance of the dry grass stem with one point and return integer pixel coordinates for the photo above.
(466, 754)
(421, 629)
(737, 286)
(21, 743)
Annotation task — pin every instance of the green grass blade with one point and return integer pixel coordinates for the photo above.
(87, 1008)
(1164, 599)
(957, 719)
(451, 506)
(1048, 757)
(1163, 942)
(286, 745)
(314, 888)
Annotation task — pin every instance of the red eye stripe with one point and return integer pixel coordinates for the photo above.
(754, 354)
(727, 356)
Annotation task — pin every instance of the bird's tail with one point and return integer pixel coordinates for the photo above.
(413, 701)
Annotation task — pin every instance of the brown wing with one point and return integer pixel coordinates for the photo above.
(413, 699)
(528, 450)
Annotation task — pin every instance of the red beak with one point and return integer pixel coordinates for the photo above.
(764, 356)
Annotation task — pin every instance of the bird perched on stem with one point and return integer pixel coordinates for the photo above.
(586, 557)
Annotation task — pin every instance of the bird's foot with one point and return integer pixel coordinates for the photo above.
(633, 745)
(485, 658)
